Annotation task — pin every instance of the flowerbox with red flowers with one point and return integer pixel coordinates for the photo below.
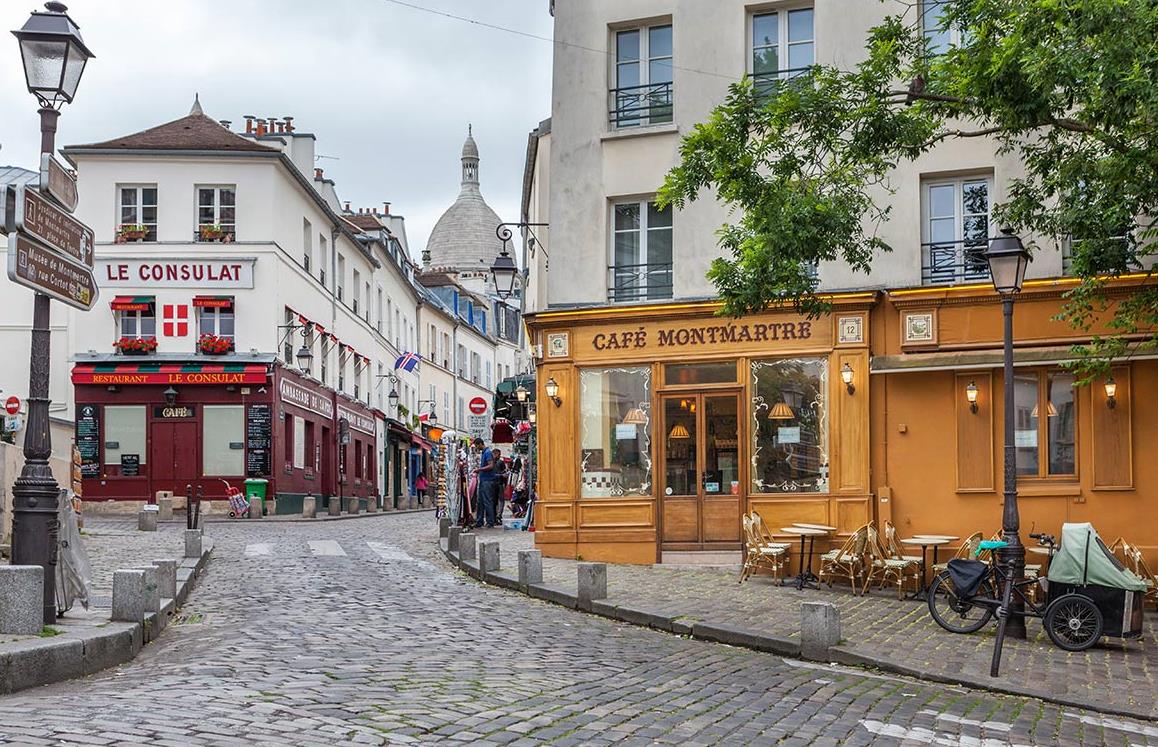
(136, 345)
(214, 345)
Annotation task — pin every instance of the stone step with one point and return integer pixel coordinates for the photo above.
(723, 558)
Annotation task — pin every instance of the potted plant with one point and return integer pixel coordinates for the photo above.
(214, 345)
(136, 345)
(215, 232)
(131, 232)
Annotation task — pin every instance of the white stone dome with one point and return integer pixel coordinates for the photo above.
(464, 237)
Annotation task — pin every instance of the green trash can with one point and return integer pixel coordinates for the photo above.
(255, 491)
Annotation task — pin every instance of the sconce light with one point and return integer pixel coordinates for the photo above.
(114, 388)
(170, 395)
(552, 390)
(1111, 392)
(532, 416)
(846, 376)
(971, 395)
(521, 393)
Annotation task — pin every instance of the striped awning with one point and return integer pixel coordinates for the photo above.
(170, 373)
(131, 303)
(213, 302)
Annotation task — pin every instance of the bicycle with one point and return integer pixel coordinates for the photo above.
(1073, 621)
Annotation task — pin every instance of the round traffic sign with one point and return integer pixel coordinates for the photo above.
(478, 405)
(12, 405)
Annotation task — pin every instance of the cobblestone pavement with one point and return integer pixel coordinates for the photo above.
(1115, 675)
(357, 632)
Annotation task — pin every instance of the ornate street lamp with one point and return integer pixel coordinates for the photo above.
(503, 274)
(1008, 258)
(54, 57)
(521, 393)
(305, 358)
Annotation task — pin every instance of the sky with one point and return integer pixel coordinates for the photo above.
(387, 89)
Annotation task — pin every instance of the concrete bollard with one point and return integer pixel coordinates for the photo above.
(193, 543)
(166, 578)
(530, 567)
(21, 599)
(372, 505)
(130, 597)
(147, 519)
(592, 581)
(453, 535)
(355, 506)
(255, 508)
(443, 527)
(270, 506)
(334, 506)
(152, 591)
(467, 547)
(819, 629)
(164, 506)
(309, 507)
(488, 556)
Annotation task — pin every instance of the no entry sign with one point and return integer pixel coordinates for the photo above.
(478, 405)
(12, 405)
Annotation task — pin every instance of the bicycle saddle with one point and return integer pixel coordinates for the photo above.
(991, 545)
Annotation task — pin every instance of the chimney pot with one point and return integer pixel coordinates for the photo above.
(226, 123)
(347, 206)
(249, 124)
(318, 174)
(386, 208)
(289, 124)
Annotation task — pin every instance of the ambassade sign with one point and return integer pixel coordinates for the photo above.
(226, 272)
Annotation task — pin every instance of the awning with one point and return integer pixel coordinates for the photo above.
(170, 373)
(213, 302)
(982, 359)
(421, 442)
(131, 303)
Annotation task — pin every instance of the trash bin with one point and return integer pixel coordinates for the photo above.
(255, 491)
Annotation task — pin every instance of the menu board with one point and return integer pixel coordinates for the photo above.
(130, 465)
(258, 440)
(88, 439)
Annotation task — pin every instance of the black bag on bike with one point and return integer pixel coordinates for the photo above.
(967, 576)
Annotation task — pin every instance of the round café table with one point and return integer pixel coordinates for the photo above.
(925, 543)
(805, 577)
(814, 526)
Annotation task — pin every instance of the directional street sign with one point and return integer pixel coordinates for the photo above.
(57, 183)
(35, 267)
(53, 227)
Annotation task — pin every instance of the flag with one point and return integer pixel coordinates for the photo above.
(175, 320)
(407, 362)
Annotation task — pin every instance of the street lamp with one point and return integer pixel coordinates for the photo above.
(521, 393)
(305, 358)
(1007, 258)
(170, 396)
(503, 274)
(393, 397)
(54, 57)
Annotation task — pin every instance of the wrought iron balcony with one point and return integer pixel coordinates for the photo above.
(766, 84)
(636, 106)
(949, 262)
(639, 282)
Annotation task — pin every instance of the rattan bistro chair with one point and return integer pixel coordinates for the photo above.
(760, 554)
(892, 546)
(888, 566)
(967, 551)
(1138, 565)
(847, 561)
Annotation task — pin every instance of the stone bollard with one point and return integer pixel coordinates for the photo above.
(21, 599)
(372, 505)
(309, 507)
(147, 519)
(819, 629)
(152, 591)
(488, 556)
(334, 506)
(166, 578)
(530, 567)
(443, 527)
(164, 506)
(255, 508)
(452, 538)
(592, 581)
(467, 547)
(355, 506)
(130, 597)
(193, 543)
(270, 506)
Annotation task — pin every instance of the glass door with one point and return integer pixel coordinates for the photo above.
(721, 494)
(681, 476)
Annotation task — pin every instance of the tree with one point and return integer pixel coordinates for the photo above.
(1068, 86)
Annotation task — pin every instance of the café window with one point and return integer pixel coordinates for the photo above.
(790, 425)
(1045, 423)
(138, 213)
(299, 443)
(615, 431)
(216, 213)
(136, 317)
(215, 323)
(223, 440)
(125, 433)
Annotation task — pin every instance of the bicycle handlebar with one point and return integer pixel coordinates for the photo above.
(1044, 539)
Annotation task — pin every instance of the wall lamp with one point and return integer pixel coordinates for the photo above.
(846, 375)
(1111, 392)
(170, 395)
(552, 390)
(971, 395)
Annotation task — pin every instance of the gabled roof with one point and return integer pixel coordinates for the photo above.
(193, 132)
(365, 221)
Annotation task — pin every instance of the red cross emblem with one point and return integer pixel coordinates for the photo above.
(175, 317)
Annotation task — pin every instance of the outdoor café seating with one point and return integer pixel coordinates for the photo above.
(760, 553)
(888, 566)
(847, 561)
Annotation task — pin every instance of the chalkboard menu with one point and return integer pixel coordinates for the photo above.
(130, 465)
(258, 440)
(88, 440)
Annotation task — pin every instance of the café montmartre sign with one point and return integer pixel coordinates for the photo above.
(702, 335)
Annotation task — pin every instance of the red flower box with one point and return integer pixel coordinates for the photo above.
(214, 345)
(136, 345)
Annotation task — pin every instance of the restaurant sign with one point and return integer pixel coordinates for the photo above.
(714, 334)
(251, 375)
(176, 273)
(307, 399)
(358, 421)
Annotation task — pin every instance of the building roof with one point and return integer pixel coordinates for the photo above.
(192, 132)
(464, 237)
(365, 221)
(17, 175)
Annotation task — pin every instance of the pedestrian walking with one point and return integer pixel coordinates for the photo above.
(501, 476)
(487, 484)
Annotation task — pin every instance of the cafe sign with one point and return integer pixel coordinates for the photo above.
(358, 421)
(176, 273)
(701, 335)
(307, 399)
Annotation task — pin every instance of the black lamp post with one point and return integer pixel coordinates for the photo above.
(54, 57)
(1007, 259)
(503, 274)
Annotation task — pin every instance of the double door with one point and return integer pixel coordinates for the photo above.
(173, 455)
(701, 490)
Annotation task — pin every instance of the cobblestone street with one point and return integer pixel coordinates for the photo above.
(357, 632)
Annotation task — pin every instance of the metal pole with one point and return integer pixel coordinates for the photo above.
(35, 493)
(1013, 556)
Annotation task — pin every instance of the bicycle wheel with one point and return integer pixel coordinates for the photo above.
(1073, 622)
(952, 613)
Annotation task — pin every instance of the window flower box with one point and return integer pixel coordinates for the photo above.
(136, 345)
(214, 345)
(131, 232)
(214, 233)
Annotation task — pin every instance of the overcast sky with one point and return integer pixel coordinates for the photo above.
(387, 89)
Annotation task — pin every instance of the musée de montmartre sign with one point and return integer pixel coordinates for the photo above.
(722, 333)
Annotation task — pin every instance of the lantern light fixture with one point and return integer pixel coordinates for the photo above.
(305, 358)
(1008, 259)
(503, 274)
(521, 393)
(393, 399)
(846, 375)
(54, 55)
(971, 395)
(170, 395)
(532, 416)
(1111, 392)
(552, 390)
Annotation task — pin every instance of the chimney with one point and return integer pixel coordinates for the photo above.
(386, 208)
(289, 124)
(249, 124)
(226, 123)
(260, 131)
(346, 207)
(318, 175)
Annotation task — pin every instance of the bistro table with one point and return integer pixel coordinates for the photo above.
(805, 577)
(814, 526)
(926, 542)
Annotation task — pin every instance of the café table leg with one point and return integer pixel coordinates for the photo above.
(923, 593)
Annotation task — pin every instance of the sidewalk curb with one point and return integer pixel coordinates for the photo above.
(291, 519)
(83, 650)
(763, 642)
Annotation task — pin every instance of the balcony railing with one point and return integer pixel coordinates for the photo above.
(768, 83)
(639, 282)
(948, 262)
(640, 105)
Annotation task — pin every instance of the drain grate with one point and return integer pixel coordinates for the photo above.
(193, 618)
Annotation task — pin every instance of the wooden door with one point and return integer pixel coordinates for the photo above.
(721, 487)
(173, 455)
(679, 489)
